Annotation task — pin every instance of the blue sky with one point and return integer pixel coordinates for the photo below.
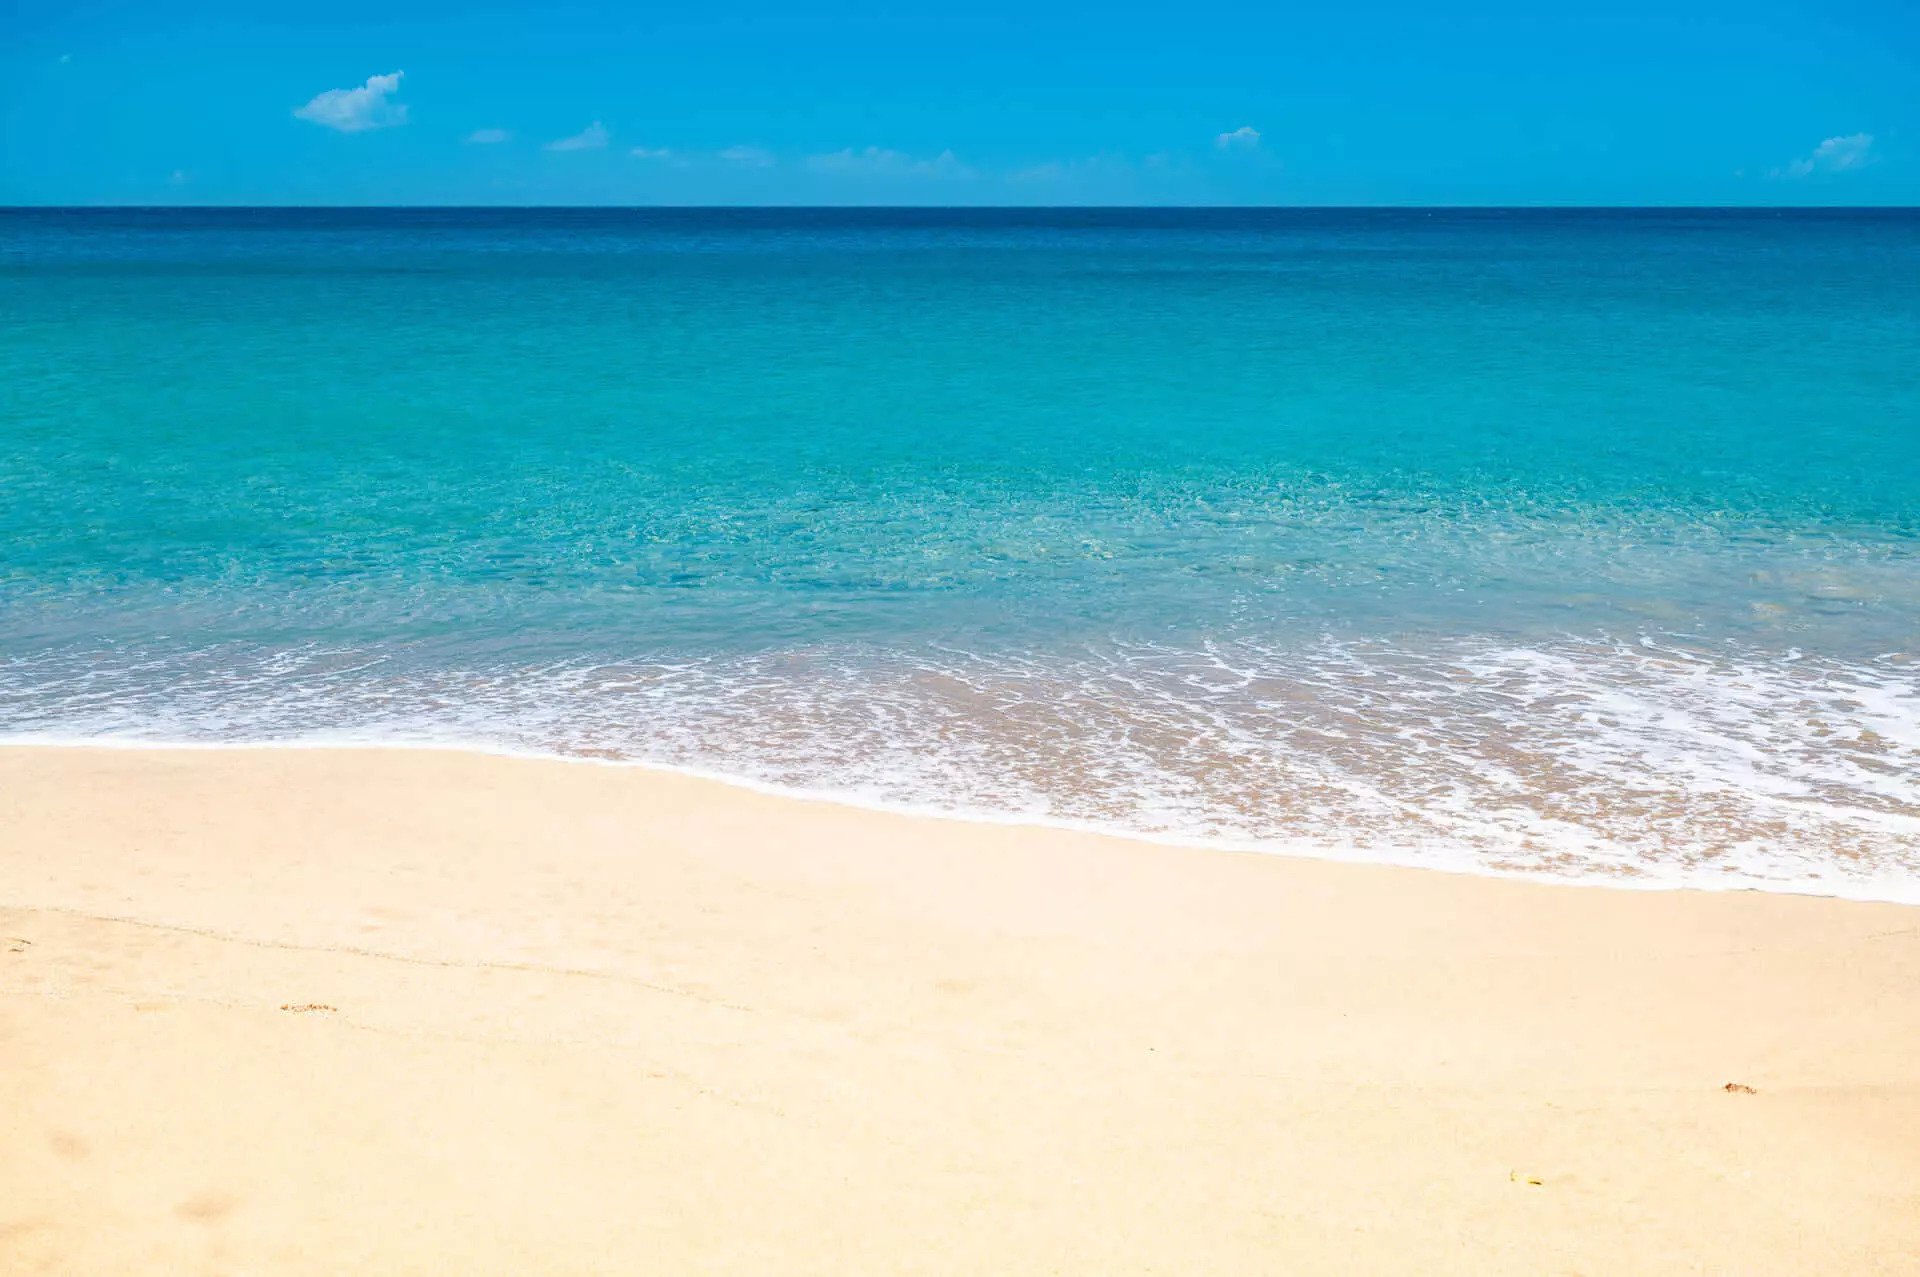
(989, 102)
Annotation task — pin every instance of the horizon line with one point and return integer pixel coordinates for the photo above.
(961, 208)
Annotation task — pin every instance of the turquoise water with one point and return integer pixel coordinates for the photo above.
(1576, 542)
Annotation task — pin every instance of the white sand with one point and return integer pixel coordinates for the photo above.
(573, 1019)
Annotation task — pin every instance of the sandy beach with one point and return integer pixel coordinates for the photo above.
(318, 1011)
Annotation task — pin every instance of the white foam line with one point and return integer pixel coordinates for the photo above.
(1878, 890)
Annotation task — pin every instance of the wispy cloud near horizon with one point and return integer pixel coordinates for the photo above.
(661, 155)
(591, 138)
(878, 161)
(357, 110)
(1841, 154)
(747, 156)
(489, 137)
(1244, 138)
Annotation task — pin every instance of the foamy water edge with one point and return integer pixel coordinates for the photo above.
(1407, 855)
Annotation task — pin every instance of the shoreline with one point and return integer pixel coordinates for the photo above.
(1894, 891)
(395, 1011)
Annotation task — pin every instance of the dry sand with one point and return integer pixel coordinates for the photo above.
(374, 1012)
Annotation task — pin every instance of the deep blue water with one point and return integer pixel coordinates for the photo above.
(1586, 541)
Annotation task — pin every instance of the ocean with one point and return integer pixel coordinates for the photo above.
(1564, 542)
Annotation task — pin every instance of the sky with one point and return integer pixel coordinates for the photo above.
(1346, 102)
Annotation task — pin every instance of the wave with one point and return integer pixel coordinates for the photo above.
(1637, 762)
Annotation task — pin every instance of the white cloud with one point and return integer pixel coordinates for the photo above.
(591, 138)
(881, 162)
(356, 110)
(1244, 138)
(747, 156)
(1835, 155)
(65, 59)
(178, 177)
(489, 137)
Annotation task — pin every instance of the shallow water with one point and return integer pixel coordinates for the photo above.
(1586, 543)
